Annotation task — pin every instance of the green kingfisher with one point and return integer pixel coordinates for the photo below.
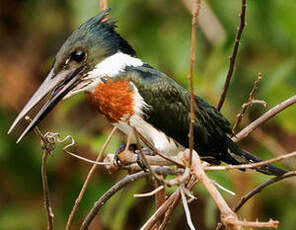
(96, 60)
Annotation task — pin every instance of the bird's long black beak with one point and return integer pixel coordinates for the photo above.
(59, 84)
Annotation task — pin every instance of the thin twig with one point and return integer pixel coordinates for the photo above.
(259, 188)
(47, 203)
(234, 54)
(266, 116)
(223, 188)
(175, 201)
(251, 165)
(195, 12)
(152, 193)
(256, 224)
(169, 212)
(250, 102)
(174, 198)
(186, 209)
(91, 171)
(115, 188)
(56, 137)
(159, 199)
(47, 149)
(174, 204)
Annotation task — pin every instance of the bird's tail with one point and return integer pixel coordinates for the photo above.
(243, 157)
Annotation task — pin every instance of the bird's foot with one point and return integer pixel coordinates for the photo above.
(133, 148)
(121, 148)
(140, 161)
(145, 151)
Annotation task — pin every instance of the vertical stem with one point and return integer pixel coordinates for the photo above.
(160, 198)
(103, 4)
(47, 203)
(234, 53)
(195, 12)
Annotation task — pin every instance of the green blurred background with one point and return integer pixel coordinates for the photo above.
(32, 31)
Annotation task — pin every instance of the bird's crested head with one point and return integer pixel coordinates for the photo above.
(93, 51)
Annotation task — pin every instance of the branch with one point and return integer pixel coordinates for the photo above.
(115, 188)
(186, 209)
(91, 171)
(234, 53)
(260, 187)
(250, 102)
(166, 207)
(228, 217)
(47, 203)
(266, 116)
(47, 147)
(251, 165)
(195, 12)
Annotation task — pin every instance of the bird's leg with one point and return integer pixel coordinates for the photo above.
(121, 148)
(133, 148)
(148, 151)
(139, 160)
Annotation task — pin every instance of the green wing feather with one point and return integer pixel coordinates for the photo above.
(169, 111)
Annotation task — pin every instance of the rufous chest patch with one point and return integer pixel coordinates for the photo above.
(113, 99)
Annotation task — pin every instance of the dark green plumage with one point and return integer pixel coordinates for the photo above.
(170, 113)
(97, 38)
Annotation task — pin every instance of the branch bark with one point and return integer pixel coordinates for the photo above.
(115, 188)
(195, 12)
(265, 117)
(234, 53)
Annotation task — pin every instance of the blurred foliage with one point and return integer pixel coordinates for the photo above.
(32, 31)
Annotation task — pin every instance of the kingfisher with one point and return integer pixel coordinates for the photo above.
(96, 60)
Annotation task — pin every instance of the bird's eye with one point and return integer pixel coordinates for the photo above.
(77, 56)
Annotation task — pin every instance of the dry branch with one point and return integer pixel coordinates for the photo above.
(47, 147)
(251, 165)
(228, 217)
(115, 188)
(266, 116)
(47, 203)
(186, 209)
(260, 187)
(250, 102)
(234, 53)
(195, 12)
(91, 171)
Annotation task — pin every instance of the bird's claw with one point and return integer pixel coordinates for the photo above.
(121, 148)
(140, 162)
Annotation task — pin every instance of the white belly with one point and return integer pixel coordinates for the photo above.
(161, 141)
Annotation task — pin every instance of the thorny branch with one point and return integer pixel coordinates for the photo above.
(234, 53)
(250, 102)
